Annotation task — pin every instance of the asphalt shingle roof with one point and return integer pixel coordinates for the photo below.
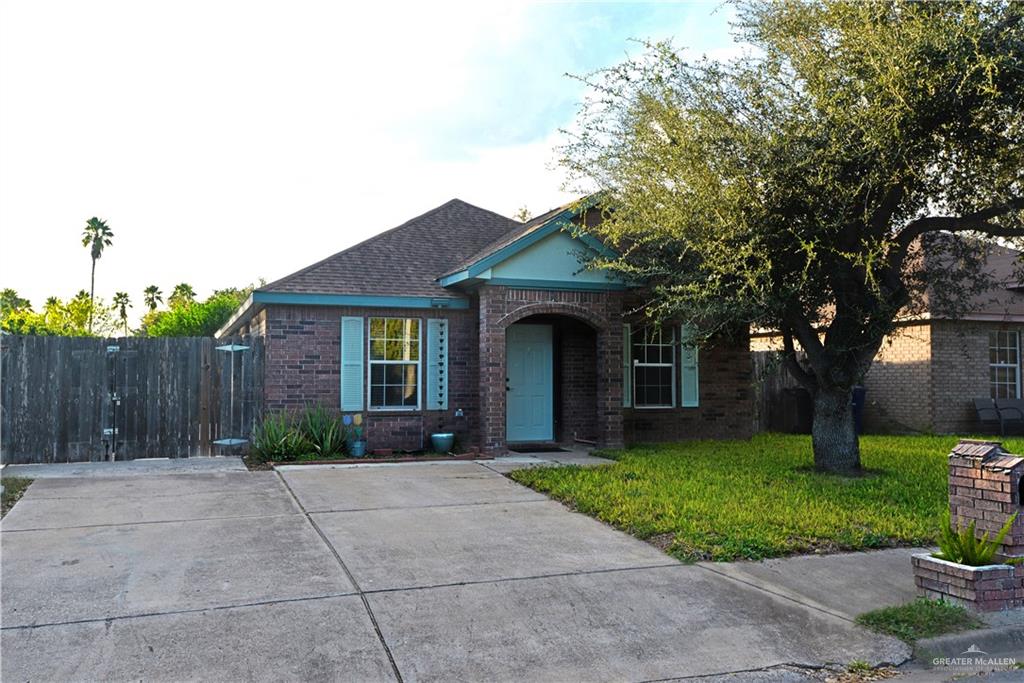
(406, 260)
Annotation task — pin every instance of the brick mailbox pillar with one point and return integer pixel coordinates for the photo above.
(985, 488)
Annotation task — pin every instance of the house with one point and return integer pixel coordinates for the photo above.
(926, 375)
(467, 321)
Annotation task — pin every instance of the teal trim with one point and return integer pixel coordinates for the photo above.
(358, 300)
(517, 283)
(437, 364)
(557, 222)
(689, 393)
(352, 363)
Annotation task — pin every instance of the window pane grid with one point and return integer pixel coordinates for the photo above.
(1004, 364)
(654, 364)
(394, 363)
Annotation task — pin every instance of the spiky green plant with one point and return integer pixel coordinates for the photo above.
(324, 430)
(278, 438)
(961, 545)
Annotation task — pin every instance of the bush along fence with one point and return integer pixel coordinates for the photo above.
(75, 399)
(980, 564)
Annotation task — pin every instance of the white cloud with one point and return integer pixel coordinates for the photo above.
(224, 141)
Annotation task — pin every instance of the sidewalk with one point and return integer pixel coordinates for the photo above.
(126, 468)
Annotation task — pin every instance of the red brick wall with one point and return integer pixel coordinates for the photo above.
(577, 382)
(725, 397)
(303, 359)
(500, 307)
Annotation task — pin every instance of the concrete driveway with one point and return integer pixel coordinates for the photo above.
(416, 572)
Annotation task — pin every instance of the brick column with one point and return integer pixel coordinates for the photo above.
(492, 375)
(609, 386)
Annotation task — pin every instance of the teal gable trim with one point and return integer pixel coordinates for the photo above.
(522, 283)
(557, 223)
(369, 301)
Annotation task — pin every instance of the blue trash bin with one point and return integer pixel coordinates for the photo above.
(859, 396)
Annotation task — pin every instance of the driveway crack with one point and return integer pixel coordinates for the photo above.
(351, 578)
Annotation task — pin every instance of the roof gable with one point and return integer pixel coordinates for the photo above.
(549, 251)
(403, 261)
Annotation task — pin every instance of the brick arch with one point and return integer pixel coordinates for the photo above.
(551, 308)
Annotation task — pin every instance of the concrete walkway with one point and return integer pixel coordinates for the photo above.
(127, 468)
(443, 571)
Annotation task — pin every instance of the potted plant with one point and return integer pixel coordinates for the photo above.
(356, 442)
(442, 441)
(967, 571)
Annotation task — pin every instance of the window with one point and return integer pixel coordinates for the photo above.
(394, 363)
(1004, 364)
(654, 368)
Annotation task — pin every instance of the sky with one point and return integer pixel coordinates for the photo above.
(225, 142)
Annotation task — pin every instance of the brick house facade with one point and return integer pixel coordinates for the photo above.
(927, 374)
(453, 283)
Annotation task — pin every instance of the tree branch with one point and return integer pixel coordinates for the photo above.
(789, 359)
(979, 220)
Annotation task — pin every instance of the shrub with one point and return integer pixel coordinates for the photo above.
(324, 431)
(962, 546)
(277, 438)
(313, 433)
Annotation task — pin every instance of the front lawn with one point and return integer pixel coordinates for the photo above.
(728, 500)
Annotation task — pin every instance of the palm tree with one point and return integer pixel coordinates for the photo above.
(182, 294)
(153, 297)
(97, 236)
(123, 303)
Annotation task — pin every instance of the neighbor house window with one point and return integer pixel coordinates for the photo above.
(394, 363)
(1004, 364)
(654, 368)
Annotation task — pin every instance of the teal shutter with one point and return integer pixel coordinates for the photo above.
(437, 364)
(352, 364)
(689, 363)
(627, 367)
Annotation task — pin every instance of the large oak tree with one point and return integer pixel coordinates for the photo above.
(799, 187)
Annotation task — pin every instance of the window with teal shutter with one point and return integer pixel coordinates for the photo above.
(437, 364)
(689, 364)
(351, 364)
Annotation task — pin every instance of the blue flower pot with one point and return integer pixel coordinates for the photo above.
(357, 449)
(443, 442)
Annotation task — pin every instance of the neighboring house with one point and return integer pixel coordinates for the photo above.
(926, 376)
(463, 320)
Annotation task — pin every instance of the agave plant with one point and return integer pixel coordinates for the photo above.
(323, 430)
(278, 438)
(961, 545)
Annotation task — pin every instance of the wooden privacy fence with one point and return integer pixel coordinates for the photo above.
(75, 399)
(780, 405)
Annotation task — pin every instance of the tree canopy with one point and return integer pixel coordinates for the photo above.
(798, 187)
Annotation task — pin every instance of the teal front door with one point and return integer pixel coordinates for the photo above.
(530, 396)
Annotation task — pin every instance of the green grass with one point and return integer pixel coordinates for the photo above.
(14, 487)
(728, 500)
(920, 619)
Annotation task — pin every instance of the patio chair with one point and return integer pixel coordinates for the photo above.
(1011, 412)
(988, 413)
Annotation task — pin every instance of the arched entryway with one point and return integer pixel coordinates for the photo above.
(584, 380)
(551, 381)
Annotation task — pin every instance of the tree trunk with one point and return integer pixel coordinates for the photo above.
(833, 436)
(92, 292)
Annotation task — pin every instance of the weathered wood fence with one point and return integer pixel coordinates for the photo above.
(779, 403)
(73, 399)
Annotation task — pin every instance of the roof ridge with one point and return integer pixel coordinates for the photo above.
(455, 200)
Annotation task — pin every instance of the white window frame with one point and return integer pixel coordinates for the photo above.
(370, 362)
(1014, 366)
(674, 365)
